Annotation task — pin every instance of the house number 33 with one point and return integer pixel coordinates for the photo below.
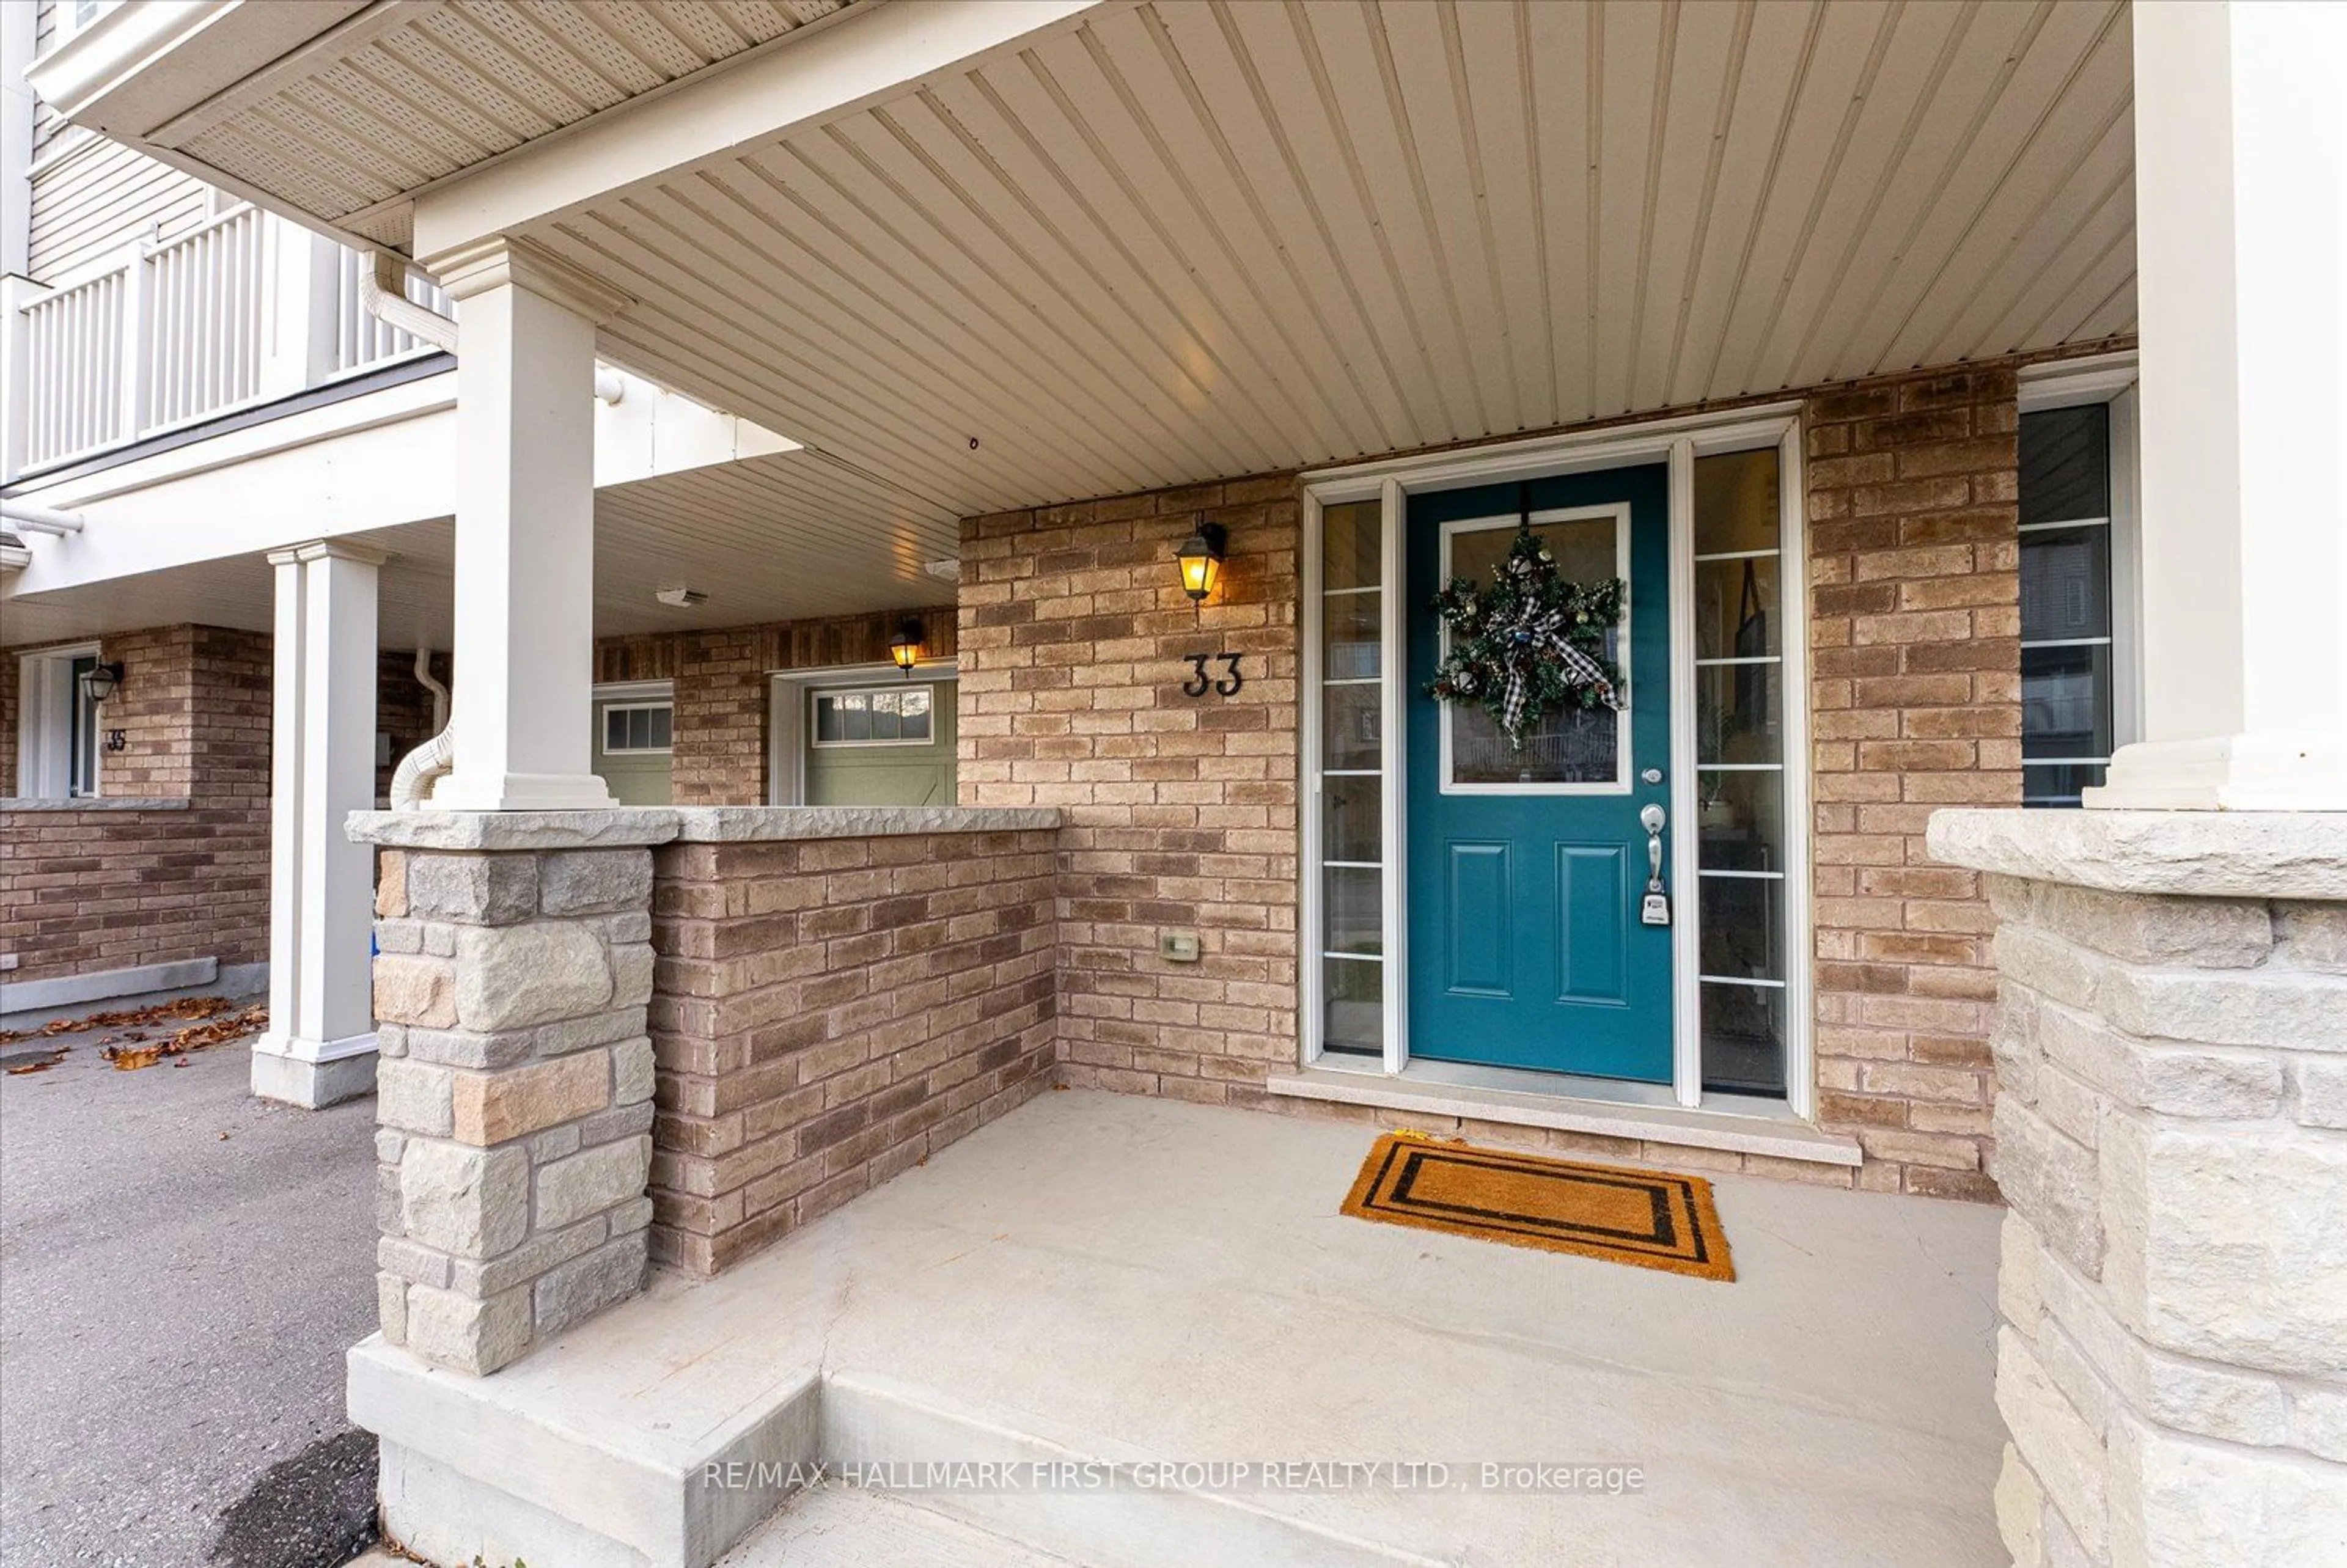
(1200, 682)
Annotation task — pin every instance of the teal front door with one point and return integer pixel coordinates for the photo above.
(1528, 868)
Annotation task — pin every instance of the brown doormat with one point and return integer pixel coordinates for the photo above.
(1654, 1219)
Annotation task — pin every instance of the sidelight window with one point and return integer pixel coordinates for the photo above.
(1741, 859)
(1351, 800)
(2068, 637)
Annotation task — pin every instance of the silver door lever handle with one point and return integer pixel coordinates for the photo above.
(1652, 819)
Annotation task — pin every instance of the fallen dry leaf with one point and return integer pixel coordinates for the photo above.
(184, 1010)
(43, 1065)
(195, 1037)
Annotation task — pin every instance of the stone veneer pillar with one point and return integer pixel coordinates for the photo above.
(2171, 1135)
(514, 1090)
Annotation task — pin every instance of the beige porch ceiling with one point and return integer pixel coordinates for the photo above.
(403, 93)
(1155, 241)
(1190, 239)
(781, 537)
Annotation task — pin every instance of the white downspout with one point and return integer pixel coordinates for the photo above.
(411, 781)
(439, 692)
(383, 290)
(40, 520)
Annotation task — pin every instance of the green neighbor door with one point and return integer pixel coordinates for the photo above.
(881, 741)
(633, 737)
(1527, 869)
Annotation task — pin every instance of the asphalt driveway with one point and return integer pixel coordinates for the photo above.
(181, 1268)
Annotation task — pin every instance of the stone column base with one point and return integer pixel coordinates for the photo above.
(313, 1073)
(514, 1094)
(2171, 1135)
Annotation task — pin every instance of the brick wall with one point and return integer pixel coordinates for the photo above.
(827, 1012)
(154, 708)
(10, 673)
(1180, 813)
(722, 690)
(1915, 635)
(90, 890)
(1183, 814)
(83, 891)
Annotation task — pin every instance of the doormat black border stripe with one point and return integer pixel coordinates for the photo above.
(1686, 1238)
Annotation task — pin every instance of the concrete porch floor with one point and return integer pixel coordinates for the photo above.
(1123, 1278)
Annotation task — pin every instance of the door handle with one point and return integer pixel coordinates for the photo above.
(1654, 908)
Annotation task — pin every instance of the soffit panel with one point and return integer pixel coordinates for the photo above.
(783, 537)
(1184, 241)
(452, 85)
(1178, 241)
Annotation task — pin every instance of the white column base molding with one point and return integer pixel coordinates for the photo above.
(313, 1073)
(462, 791)
(2301, 771)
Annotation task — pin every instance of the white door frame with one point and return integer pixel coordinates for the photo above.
(1678, 443)
(45, 699)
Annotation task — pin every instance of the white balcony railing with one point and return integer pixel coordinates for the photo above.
(243, 309)
(201, 338)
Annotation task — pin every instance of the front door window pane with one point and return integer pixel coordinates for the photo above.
(1573, 745)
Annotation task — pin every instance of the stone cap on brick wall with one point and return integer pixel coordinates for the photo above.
(97, 802)
(628, 826)
(2201, 853)
(752, 823)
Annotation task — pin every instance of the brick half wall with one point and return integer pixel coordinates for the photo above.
(827, 1012)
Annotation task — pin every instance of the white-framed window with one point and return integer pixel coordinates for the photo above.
(902, 715)
(2079, 652)
(57, 734)
(638, 728)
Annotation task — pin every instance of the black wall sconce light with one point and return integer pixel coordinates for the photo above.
(1200, 558)
(904, 648)
(102, 681)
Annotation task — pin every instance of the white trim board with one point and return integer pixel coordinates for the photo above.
(72, 990)
(1778, 1137)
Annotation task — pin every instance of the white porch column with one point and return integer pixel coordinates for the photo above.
(525, 530)
(320, 1047)
(2241, 243)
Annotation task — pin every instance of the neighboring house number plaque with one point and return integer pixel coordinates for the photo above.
(1201, 682)
(116, 740)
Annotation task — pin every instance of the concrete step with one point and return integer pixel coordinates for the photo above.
(841, 1527)
(873, 1421)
